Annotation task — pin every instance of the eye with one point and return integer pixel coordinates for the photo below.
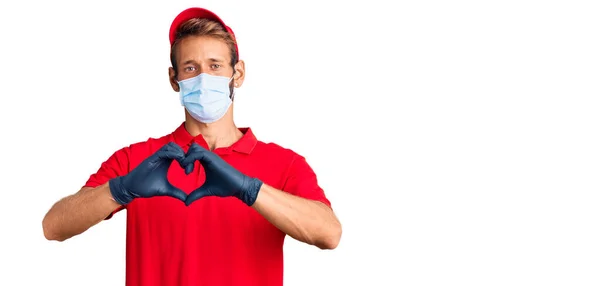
(215, 66)
(189, 69)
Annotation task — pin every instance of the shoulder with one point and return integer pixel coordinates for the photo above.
(123, 160)
(278, 157)
(276, 151)
(151, 143)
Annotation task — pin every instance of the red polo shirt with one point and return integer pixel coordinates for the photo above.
(214, 241)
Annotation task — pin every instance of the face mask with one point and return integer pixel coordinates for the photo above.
(206, 97)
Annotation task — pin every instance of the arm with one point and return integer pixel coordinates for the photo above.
(116, 188)
(306, 220)
(300, 209)
(76, 213)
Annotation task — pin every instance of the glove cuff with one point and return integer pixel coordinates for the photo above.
(251, 189)
(118, 191)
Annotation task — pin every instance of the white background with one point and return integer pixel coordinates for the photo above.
(457, 140)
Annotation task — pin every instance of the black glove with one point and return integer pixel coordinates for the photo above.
(222, 179)
(149, 178)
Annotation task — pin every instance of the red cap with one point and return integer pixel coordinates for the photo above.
(195, 12)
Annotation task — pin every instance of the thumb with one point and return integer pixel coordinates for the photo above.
(189, 168)
(174, 192)
(199, 193)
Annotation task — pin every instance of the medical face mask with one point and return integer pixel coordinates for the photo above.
(206, 97)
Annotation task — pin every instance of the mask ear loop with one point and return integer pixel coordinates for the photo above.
(234, 86)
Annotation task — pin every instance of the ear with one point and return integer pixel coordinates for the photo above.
(173, 79)
(240, 73)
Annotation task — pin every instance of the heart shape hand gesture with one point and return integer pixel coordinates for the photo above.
(149, 178)
(222, 179)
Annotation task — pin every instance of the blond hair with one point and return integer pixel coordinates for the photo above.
(203, 27)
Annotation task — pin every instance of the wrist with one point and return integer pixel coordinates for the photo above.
(118, 192)
(106, 193)
(251, 189)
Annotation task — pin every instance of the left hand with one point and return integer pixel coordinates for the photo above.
(222, 179)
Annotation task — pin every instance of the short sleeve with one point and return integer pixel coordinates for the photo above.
(302, 181)
(116, 165)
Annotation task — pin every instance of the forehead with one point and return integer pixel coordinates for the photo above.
(200, 48)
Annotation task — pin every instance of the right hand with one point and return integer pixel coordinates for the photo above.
(149, 178)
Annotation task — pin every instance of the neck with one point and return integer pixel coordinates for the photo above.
(222, 133)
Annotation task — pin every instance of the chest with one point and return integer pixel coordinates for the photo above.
(225, 218)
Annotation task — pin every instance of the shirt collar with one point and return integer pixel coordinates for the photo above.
(245, 145)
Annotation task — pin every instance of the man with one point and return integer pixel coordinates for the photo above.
(208, 204)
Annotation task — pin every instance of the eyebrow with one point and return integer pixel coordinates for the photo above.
(188, 62)
(213, 60)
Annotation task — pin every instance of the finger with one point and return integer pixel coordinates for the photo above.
(197, 194)
(187, 164)
(196, 148)
(170, 151)
(171, 146)
(170, 155)
(177, 193)
(189, 168)
(196, 152)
